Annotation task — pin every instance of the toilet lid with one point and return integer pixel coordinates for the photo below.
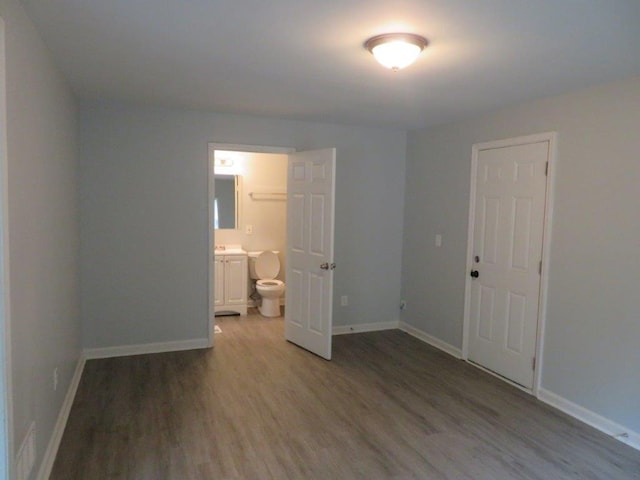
(267, 265)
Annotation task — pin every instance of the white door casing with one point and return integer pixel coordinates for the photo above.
(506, 234)
(6, 389)
(310, 227)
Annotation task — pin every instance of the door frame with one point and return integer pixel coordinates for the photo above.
(211, 148)
(6, 385)
(551, 138)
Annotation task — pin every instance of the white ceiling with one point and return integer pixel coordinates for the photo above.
(304, 59)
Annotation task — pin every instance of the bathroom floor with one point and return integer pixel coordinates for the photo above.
(255, 406)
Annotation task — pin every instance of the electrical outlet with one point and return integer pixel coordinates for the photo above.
(344, 301)
(248, 229)
(55, 378)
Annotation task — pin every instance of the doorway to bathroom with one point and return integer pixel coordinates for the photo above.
(272, 199)
(249, 214)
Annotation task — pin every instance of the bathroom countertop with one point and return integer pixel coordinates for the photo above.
(230, 250)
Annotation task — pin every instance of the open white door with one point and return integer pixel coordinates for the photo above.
(310, 212)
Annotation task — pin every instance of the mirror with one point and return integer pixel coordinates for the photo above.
(226, 204)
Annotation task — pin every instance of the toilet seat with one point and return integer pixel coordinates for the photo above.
(268, 284)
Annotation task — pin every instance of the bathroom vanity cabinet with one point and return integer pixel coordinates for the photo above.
(230, 282)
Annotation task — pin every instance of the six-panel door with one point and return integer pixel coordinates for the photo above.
(507, 253)
(310, 212)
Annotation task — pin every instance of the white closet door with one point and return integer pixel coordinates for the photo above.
(507, 253)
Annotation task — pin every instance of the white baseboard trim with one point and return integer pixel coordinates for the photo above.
(365, 327)
(56, 436)
(617, 431)
(161, 347)
(431, 340)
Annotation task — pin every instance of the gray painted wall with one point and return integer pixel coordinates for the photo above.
(591, 353)
(43, 229)
(144, 217)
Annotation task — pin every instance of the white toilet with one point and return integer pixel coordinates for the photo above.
(264, 267)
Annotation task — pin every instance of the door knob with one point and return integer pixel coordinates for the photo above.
(328, 266)
(475, 273)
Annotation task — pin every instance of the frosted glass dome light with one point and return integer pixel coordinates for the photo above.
(396, 50)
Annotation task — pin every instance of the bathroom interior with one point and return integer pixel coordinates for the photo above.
(249, 214)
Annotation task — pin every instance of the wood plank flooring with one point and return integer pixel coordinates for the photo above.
(256, 407)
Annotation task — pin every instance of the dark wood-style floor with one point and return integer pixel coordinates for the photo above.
(256, 407)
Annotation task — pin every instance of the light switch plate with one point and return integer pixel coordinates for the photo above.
(438, 240)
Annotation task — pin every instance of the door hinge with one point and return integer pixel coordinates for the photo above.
(533, 363)
(546, 169)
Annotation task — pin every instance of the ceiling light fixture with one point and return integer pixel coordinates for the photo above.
(223, 162)
(396, 50)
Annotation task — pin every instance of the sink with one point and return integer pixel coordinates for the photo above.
(229, 250)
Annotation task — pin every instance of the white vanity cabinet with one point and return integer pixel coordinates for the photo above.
(230, 282)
